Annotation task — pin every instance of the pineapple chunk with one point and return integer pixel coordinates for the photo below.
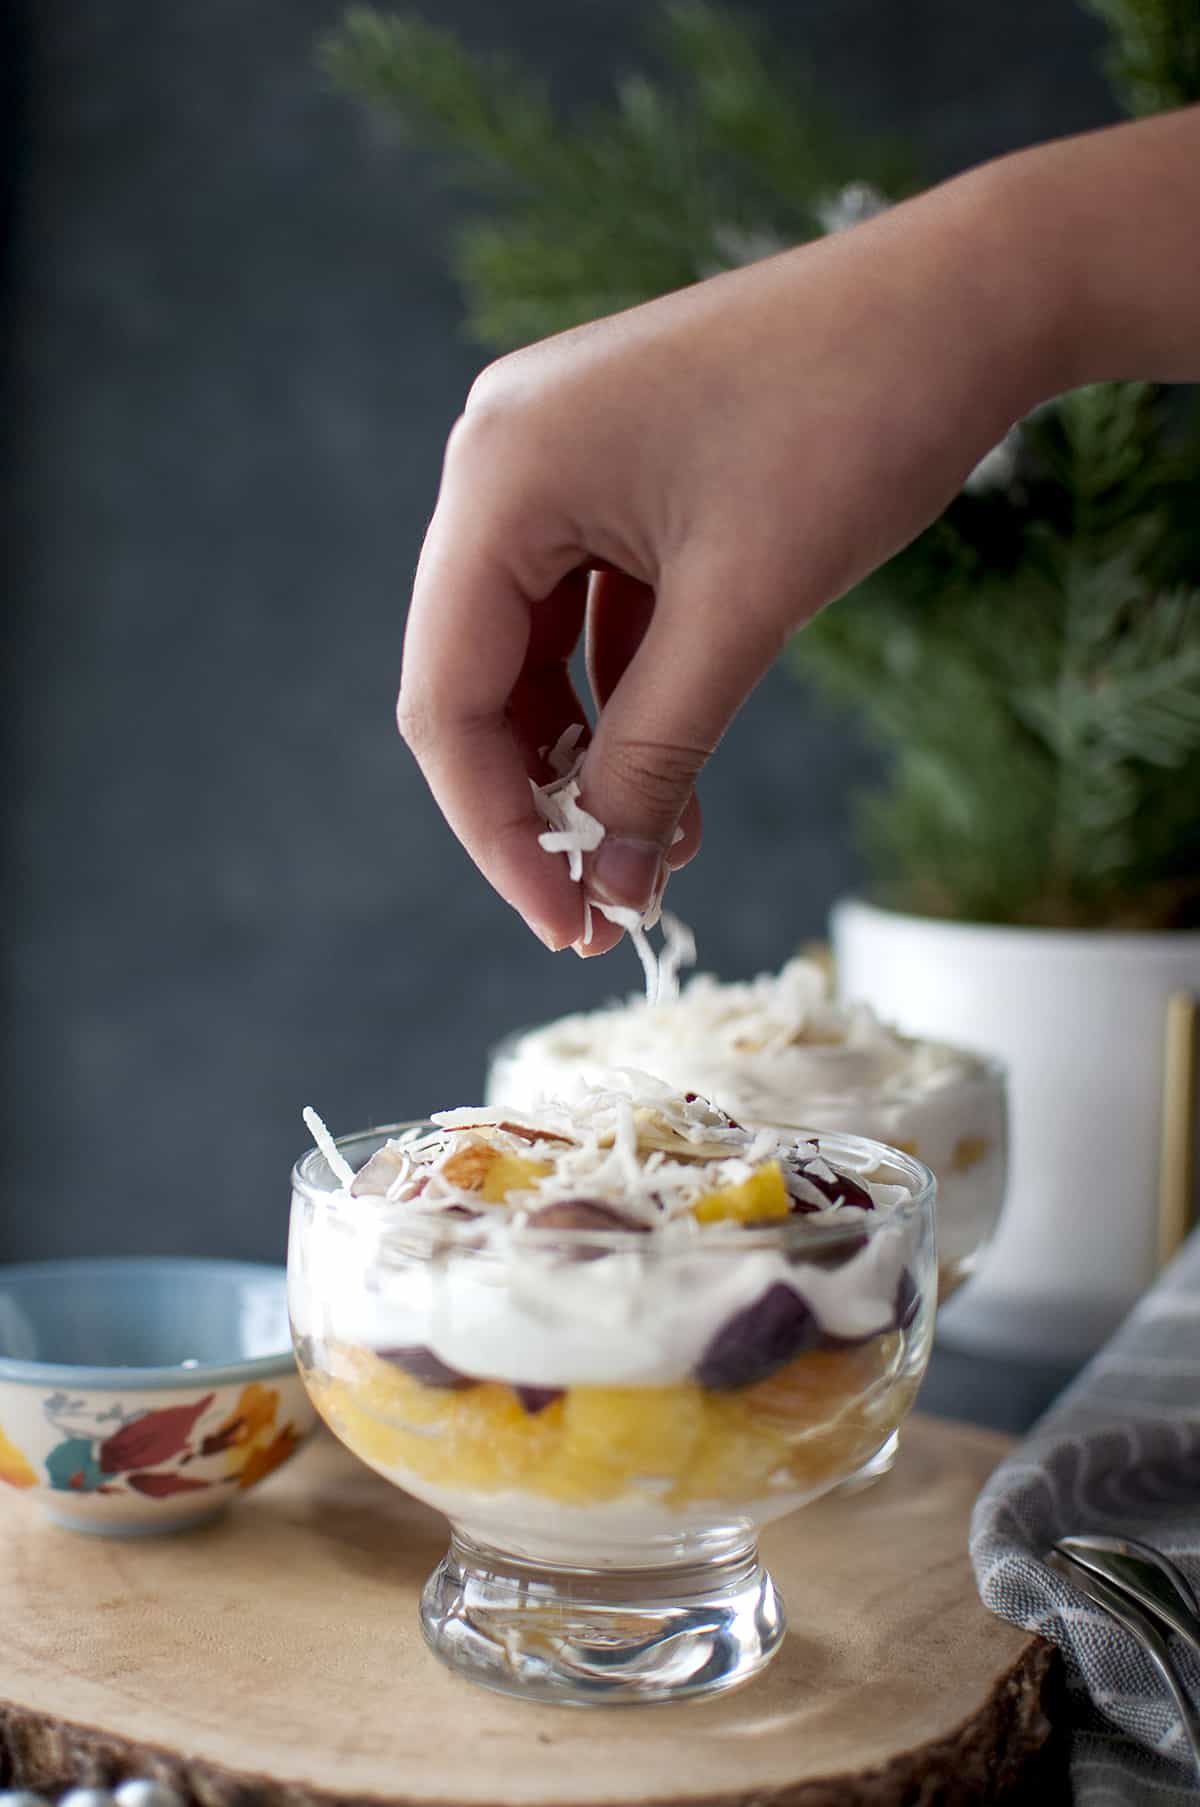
(511, 1173)
(968, 1152)
(615, 1438)
(734, 1458)
(762, 1196)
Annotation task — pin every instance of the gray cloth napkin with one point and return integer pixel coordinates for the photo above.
(1119, 1452)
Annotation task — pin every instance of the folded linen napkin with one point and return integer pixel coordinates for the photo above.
(1118, 1452)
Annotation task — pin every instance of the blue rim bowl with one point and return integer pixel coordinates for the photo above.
(141, 1394)
(134, 1321)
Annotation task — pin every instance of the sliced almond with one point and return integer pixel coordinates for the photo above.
(468, 1166)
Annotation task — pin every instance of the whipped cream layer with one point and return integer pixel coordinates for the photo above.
(407, 1255)
(778, 1050)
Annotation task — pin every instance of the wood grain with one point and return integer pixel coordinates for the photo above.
(275, 1658)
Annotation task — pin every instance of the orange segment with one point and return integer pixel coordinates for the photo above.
(762, 1196)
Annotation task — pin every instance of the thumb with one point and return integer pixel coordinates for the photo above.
(701, 655)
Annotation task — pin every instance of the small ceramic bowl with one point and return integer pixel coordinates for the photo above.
(143, 1394)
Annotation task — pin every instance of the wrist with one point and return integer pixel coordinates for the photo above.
(1091, 245)
(1013, 284)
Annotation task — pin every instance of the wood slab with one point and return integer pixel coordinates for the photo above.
(275, 1657)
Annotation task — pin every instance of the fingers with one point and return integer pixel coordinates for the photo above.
(694, 662)
(618, 613)
(690, 832)
(619, 609)
(544, 701)
(484, 686)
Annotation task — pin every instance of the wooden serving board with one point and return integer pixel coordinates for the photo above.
(275, 1657)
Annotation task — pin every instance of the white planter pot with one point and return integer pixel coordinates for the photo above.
(1079, 1018)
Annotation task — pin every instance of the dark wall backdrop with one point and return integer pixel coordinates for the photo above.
(231, 359)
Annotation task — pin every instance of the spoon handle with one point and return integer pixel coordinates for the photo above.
(1113, 1599)
(1153, 1580)
(1159, 1653)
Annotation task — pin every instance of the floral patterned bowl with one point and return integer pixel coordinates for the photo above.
(140, 1394)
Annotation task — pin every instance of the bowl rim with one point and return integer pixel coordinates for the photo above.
(795, 1231)
(80, 1376)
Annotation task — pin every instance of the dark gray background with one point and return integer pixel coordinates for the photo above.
(232, 356)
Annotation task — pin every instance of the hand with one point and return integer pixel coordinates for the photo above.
(722, 462)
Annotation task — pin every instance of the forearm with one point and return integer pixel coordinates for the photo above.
(1093, 246)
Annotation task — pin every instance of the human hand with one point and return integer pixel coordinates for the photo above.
(723, 462)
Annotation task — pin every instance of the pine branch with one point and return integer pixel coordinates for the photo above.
(489, 112)
(765, 115)
(727, 160)
(1153, 62)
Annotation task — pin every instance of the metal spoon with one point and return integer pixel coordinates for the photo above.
(1122, 1607)
(1152, 1579)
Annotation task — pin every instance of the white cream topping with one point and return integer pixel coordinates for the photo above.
(761, 1048)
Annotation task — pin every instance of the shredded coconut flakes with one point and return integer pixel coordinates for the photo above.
(573, 831)
(337, 1163)
(651, 1152)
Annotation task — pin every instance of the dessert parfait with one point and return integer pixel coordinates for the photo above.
(779, 1050)
(609, 1340)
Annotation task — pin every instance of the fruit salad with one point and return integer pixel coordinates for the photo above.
(614, 1325)
(778, 1049)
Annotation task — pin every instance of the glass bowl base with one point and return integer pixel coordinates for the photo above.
(581, 1637)
(881, 1463)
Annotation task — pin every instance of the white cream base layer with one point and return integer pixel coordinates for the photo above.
(628, 1532)
(533, 1319)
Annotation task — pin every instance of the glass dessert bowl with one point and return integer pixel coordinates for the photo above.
(778, 1050)
(610, 1343)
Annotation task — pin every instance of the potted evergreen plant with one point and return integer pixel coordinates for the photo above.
(1032, 661)
(1035, 662)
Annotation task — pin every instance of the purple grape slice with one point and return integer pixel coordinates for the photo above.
(907, 1302)
(428, 1368)
(754, 1342)
(536, 1399)
(905, 1306)
(829, 1252)
(833, 1186)
(583, 1214)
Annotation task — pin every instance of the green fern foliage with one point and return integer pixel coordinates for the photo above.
(1032, 661)
(1154, 58)
(590, 213)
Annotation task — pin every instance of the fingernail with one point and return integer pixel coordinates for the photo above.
(548, 938)
(625, 871)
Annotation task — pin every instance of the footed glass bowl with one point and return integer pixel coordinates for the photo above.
(636, 1407)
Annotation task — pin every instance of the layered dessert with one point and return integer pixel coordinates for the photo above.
(779, 1050)
(612, 1328)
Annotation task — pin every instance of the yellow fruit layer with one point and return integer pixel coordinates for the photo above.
(809, 1425)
